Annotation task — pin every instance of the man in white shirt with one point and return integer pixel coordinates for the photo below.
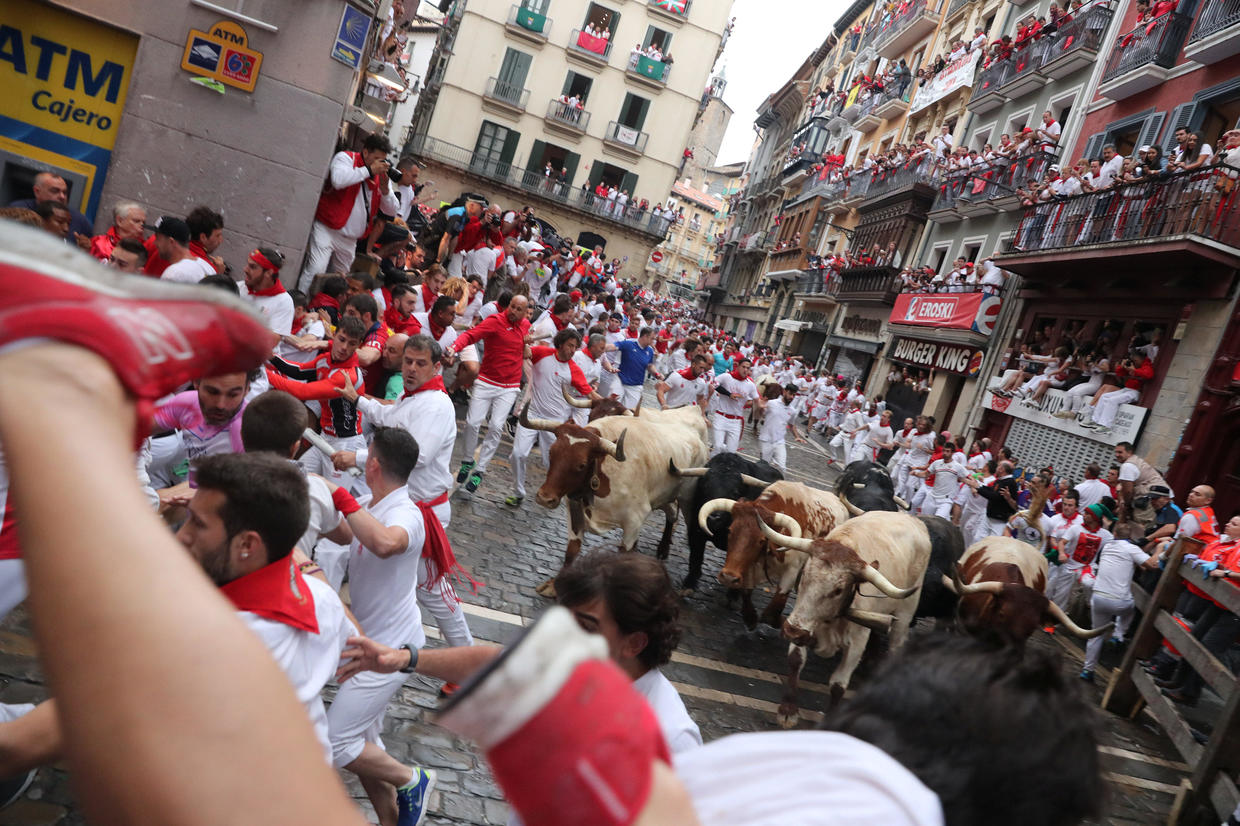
(1081, 544)
(1112, 597)
(1091, 489)
(172, 241)
(357, 186)
(261, 285)
(689, 385)
(389, 534)
(946, 473)
(942, 142)
(1049, 132)
(778, 417)
(733, 390)
(921, 448)
(853, 423)
(406, 187)
(592, 364)
(878, 436)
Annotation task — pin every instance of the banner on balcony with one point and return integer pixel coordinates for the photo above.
(956, 74)
(959, 359)
(1126, 428)
(955, 311)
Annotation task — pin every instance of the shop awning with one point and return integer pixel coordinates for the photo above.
(783, 275)
(792, 325)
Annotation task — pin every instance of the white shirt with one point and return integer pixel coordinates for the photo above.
(1129, 472)
(775, 421)
(921, 447)
(383, 590)
(1109, 172)
(407, 198)
(1058, 524)
(1091, 491)
(682, 391)
(1028, 533)
(741, 391)
(472, 311)
(1082, 546)
(189, 270)
(445, 339)
(344, 174)
(947, 476)
(308, 660)
(679, 730)
(547, 376)
(277, 310)
(1116, 564)
(323, 514)
(879, 435)
(431, 420)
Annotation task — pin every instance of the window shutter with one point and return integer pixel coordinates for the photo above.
(629, 182)
(1181, 117)
(1151, 129)
(535, 163)
(510, 148)
(571, 159)
(1093, 146)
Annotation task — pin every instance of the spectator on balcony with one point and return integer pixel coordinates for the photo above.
(1048, 133)
(942, 142)
(992, 277)
(1191, 153)
(1134, 372)
(978, 43)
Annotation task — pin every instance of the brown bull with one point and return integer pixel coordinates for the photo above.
(600, 408)
(750, 557)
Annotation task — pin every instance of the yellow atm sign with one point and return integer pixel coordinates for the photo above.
(223, 54)
(63, 73)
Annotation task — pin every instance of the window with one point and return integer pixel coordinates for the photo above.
(971, 251)
(510, 82)
(577, 85)
(537, 6)
(495, 148)
(1219, 116)
(657, 37)
(601, 18)
(633, 111)
(938, 257)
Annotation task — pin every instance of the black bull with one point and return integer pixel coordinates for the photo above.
(721, 480)
(867, 486)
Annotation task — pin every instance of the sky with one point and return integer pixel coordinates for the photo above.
(771, 39)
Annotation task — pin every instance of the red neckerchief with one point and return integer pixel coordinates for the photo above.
(298, 323)
(559, 325)
(434, 384)
(631, 334)
(732, 373)
(198, 251)
(688, 373)
(436, 549)
(276, 592)
(428, 297)
(324, 300)
(436, 330)
(274, 289)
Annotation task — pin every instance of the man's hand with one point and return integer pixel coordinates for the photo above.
(348, 391)
(364, 654)
(83, 241)
(344, 459)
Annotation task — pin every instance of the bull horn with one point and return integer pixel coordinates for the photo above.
(870, 619)
(872, 575)
(1063, 619)
(637, 411)
(583, 404)
(628, 412)
(614, 449)
(684, 472)
(852, 509)
(536, 424)
(859, 485)
(901, 502)
(711, 507)
(754, 481)
(786, 524)
(774, 537)
(957, 585)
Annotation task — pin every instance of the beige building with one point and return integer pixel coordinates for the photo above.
(542, 101)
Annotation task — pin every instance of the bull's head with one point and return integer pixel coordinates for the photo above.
(828, 584)
(598, 407)
(576, 460)
(745, 542)
(1011, 611)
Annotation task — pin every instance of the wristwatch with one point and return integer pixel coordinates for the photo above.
(413, 659)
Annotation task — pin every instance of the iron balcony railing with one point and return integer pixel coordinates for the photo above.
(998, 180)
(1157, 42)
(897, 23)
(649, 68)
(509, 93)
(991, 78)
(529, 20)
(587, 44)
(957, 5)
(1085, 31)
(880, 284)
(535, 181)
(568, 114)
(626, 135)
(886, 181)
(1216, 16)
(1197, 202)
(814, 281)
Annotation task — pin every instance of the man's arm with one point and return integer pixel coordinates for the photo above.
(368, 354)
(300, 370)
(307, 391)
(381, 540)
(660, 392)
(344, 173)
(454, 665)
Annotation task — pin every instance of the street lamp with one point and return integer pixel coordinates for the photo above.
(385, 74)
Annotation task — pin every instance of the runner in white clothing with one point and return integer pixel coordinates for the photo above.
(686, 386)
(779, 415)
(590, 358)
(942, 478)
(733, 390)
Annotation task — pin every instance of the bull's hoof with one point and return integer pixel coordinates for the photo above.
(547, 589)
(688, 585)
(837, 694)
(788, 716)
(773, 619)
(661, 552)
(751, 619)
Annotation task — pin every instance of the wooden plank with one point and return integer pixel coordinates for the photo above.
(1220, 757)
(1224, 795)
(1140, 596)
(1168, 716)
(1227, 595)
(1217, 675)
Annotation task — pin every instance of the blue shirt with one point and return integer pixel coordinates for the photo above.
(1169, 515)
(634, 359)
(722, 365)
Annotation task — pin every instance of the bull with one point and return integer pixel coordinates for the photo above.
(613, 472)
(887, 551)
(1001, 582)
(599, 408)
(867, 486)
(797, 509)
(725, 476)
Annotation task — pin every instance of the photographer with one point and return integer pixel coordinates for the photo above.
(356, 186)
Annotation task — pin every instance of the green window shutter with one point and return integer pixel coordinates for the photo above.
(535, 163)
(510, 147)
(571, 159)
(629, 182)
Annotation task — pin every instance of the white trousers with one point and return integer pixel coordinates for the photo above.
(776, 453)
(608, 384)
(933, 505)
(1103, 608)
(12, 585)
(522, 443)
(438, 598)
(1077, 395)
(330, 251)
(838, 447)
(487, 402)
(1059, 583)
(1105, 409)
(859, 451)
(630, 395)
(355, 717)
(727, 434)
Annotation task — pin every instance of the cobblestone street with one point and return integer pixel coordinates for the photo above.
(728, 676)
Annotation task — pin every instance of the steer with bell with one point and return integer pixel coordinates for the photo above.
(865, 575)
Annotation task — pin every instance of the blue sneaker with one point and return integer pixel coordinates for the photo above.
(1087, 675)
(414, 799)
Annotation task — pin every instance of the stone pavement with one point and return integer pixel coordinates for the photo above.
(728, 676)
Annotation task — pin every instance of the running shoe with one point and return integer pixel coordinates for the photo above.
(1087, 675)
(14, 786)
(414, 798)
(475, 479)
(514, 501)
(463, 473)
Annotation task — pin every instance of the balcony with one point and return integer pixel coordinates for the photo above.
(1143, 58)
(955, 7)
(920, 19)
(534, 182)
(588, 49)
(885, 182)
(1215, 35)
(624, 140)
(1176, 233)
(867, 285)
(528, 25)
(674, 10)
(507, 98)
(987, 87)
(796, 169)
(1077, 43)
(814, 287)
(980, 192)
(647, 71)
(565, 117)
